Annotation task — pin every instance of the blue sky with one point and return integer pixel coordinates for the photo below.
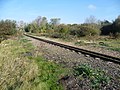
(70, 11)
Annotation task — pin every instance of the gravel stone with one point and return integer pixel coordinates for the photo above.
(71, 59)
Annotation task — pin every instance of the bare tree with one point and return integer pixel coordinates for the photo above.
(55, 21)
(91, 20)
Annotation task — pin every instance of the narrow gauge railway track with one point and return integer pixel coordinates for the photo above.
(76, 49)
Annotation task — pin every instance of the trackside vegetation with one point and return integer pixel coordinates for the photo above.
(22, 66)
(91, 27)
(21, 69)
(92, 31)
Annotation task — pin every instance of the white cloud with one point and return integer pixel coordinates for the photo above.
(92, 7)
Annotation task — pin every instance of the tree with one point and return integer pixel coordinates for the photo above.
(62, 28)
(55, 21)
(105, 22)
(106, 27)
(7, 28)
(91, 20)
(38, 20)
(116, 25)
(27, 28)
(43, 24)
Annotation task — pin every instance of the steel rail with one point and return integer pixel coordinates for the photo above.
(76, 49)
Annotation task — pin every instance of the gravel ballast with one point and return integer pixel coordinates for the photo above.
(70, 59)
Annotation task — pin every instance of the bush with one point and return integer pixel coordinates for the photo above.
(84, 31)
(56, 35)
(87, 31)
(7, 28)
(73, 32)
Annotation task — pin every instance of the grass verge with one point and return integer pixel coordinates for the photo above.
(22, 69)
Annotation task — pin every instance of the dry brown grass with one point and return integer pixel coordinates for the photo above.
(15, 71)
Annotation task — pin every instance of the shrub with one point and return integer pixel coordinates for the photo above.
(56, 35)
(87, 31)
(7, 28)
(84, 31)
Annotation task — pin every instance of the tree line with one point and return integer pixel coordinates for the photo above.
(91, 27)
(112, 29)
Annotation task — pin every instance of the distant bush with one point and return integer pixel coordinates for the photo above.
(88, 31)
(7, 28)
(73, 32)
(84, 31)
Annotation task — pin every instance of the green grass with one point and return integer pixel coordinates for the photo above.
(106, 43)
(111, 44)
(23, 69)
(49, 74)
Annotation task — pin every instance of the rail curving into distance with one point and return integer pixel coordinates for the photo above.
(76, 49)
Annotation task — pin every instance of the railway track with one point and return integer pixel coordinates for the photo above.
(76, 49)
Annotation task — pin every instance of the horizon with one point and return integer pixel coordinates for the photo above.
(69, 12)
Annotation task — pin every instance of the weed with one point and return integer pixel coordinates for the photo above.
(97, 77)
(115, 49)
(49, 73)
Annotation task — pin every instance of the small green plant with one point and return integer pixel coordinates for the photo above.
(115, 49)
(24, 40)
(49, 73)
(97, 77)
